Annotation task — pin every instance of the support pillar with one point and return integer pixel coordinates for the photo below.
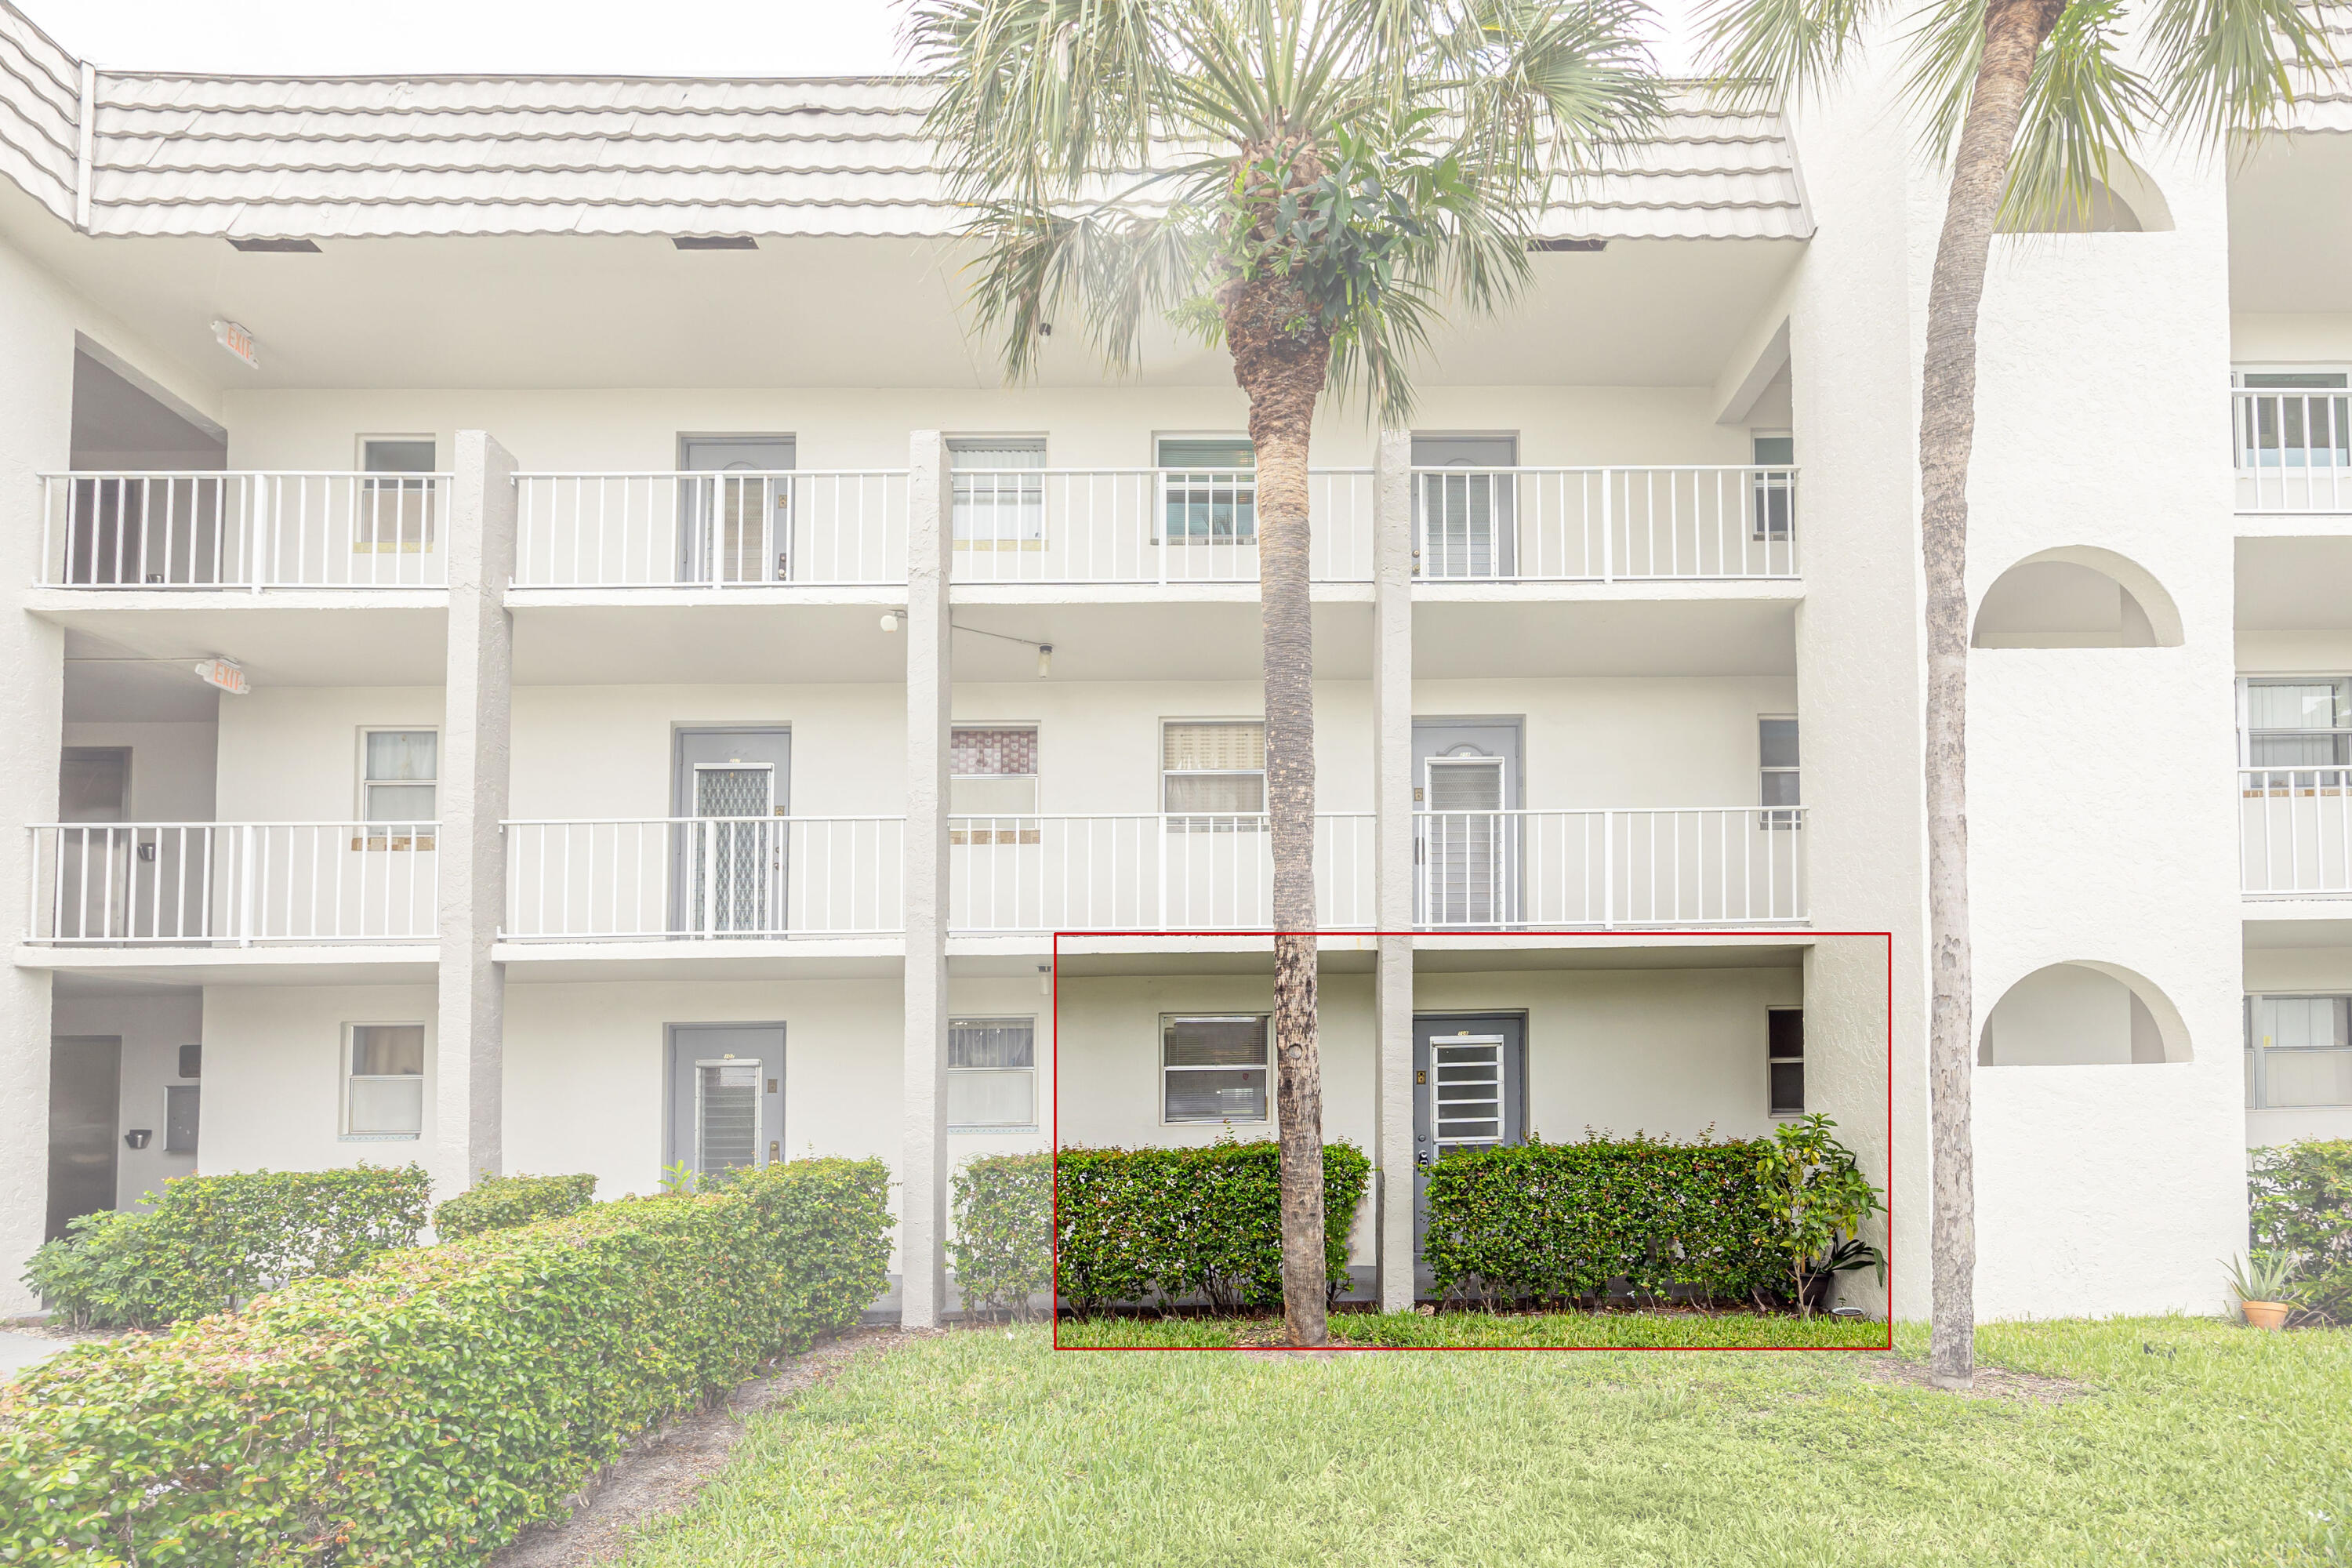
(1393, 868)
(923, 1178)
(477, 743)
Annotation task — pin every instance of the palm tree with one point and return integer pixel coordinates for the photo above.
(2029, 101)
(1314, 183)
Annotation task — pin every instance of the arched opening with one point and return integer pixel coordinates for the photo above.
(2125, 201)
(2081, 1013)
(2076, 598)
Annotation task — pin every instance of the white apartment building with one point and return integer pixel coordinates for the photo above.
(686, 690)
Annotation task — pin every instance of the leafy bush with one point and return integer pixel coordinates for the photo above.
(1003, 1246)
(499, 1203)
(425, 1409)
(2302, 1203)
(211, 1242)
(1815, 1187)
(1153, 1224)
(1559, 1221)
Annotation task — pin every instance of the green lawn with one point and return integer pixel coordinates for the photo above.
(2187, 1441)
(1673, 1331)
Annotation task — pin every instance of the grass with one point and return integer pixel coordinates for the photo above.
(1674, 1330)
(2185, 1441)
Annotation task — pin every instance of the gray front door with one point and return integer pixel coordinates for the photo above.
(735, 517)
(1469, 1092)
(1465, 525)
(1469, 838)
(732, 791)
(85, 1088)
(725, 1095)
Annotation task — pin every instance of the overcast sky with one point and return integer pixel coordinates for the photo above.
(639, 37)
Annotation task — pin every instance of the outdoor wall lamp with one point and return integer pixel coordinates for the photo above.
(891, 619)
(137, 1137)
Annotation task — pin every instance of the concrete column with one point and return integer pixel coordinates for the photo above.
(1393, 868)
(923, 1178)
(32, 713)
(477, 743)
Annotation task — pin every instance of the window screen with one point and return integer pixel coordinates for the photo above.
(1784, 1031)
(1212, 768)
(991, 1072)
(1213, 1069)
(2299, 1051)
(993, 782)
(396, 455)
(180, 1103)
(1208, 485)
(1776, 755)
(386, 1086)
(999, 500)
(2298, 724)
(401, 767)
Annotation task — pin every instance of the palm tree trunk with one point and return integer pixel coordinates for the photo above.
(2014, 31)
(1282, 369)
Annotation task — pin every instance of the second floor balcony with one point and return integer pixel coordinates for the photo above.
(2294, 832)
(709, 879)
(252, 532)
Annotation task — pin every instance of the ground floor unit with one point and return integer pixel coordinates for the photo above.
(2110, 1139)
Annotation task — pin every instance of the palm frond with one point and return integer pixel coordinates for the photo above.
(1759, 49)
(2084, 108)
(1116, 270)
(2228, 66)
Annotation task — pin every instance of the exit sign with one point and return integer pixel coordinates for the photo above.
(225, 673)
(237, 341)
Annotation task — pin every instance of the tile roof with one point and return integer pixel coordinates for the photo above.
(349, 157)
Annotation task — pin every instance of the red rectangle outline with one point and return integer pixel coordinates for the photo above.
(1054, 1163)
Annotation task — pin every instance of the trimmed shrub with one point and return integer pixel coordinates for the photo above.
(1149, 1225)
(500, 1203)
(425, 1409)
(211, 1242)
(1003, 1246)
(2302, 1203)
(1558, 1221)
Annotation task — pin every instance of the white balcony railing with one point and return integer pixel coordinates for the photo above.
(1603, 525)
(1542, 870)
(1146, 873)
(2294, 449)
(1143, 525)
(252, 532)
(705, 877)
(232, 884)
(727, 530)
(2294, 831)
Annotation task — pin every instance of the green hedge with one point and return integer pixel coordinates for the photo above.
(424, 1410)
(1149, 1226)
(500, 1203)
(1558, 1221)
(1004, 1246)
(211, 1242)
(2302, 1203)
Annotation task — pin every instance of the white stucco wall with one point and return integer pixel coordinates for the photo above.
(274, 1076)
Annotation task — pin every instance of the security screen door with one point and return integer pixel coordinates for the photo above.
(1467, 524)
(1468, 1092)
(725, 1095)
(1466, 840)
(733, 793)
(735, 518)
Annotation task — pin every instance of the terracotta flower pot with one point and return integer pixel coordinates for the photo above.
(2265, 1314)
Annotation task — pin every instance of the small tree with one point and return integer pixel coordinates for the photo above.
(1314, 184)
(1819, 1194)
(2030, 103)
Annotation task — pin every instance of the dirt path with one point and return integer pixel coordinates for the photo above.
(661, 1472)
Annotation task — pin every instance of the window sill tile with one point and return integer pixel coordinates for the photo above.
(378, 1137)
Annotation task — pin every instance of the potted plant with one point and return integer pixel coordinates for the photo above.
(1820, 1273)
(2261, 1282)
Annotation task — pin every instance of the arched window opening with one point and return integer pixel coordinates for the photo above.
(2076, 598)
(2125, 201)
(2083, 1015)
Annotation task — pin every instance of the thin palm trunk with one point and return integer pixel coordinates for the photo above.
(1283, 369)
(2014, 31)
